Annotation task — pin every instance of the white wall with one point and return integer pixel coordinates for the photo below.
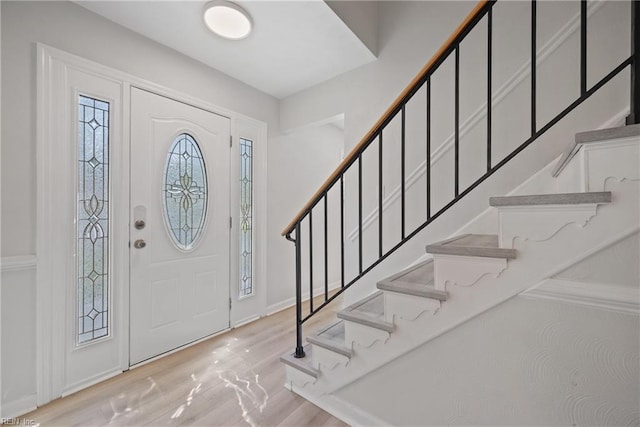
(74, 29)
(409, 33)
(551, 363)
(299, 162)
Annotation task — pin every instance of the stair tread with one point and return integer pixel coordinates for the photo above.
(552, 199)
(480, 245)
(421, 273)
(415, 289)
(332, 338)
(372, 306)
(302, 364)
(333, 332)
(368, 311)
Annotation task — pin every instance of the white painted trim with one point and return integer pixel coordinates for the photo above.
(498, 96)
(175, 350)
(49, 362)
(103, 376)
(339, 408)
(600, 295)
(15, 408)
(17, 263)
(290, 302)
(246, 321)
(44, 343)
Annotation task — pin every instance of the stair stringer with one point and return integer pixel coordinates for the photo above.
(536, 261)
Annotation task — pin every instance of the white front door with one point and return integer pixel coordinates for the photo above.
(179, 224)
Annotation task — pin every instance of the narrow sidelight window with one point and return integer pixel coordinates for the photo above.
(246, 217)
(92, 249)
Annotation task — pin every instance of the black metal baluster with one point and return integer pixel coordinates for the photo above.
(311, 260)
(634, 110)
(428, 155)
(457, 125)
(380, 207)
(583, 47)
(402, 172)
(326, 250)
(298, 242)
(533, 67)
(360, 213)
(342, 230)
(489, 94)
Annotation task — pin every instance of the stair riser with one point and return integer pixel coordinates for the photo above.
(295, 376)
(407, 307)
(325, 359)
(362, 336)
(618, 159)
(464, 270)
(540, 223)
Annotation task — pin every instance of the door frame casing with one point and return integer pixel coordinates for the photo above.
(50, 290)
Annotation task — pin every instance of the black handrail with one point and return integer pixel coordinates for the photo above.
(452, 46)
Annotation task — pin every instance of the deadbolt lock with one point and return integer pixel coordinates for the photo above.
(139, 224)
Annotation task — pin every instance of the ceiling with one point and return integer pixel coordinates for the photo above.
(294, 44)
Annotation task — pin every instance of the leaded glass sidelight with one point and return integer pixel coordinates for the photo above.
(246, 217)
(93, 219)
(185, 192)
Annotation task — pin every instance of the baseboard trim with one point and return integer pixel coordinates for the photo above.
(245, 321)
(18, 407)
(17, 263)
(290, 302)
(598, 295)
(81, 385)
(339, 408)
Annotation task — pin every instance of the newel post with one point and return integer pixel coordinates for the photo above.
(297, 242)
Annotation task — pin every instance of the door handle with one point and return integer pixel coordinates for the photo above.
(139, 244)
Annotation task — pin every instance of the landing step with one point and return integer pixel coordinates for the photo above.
(332, 338)
(552, 199)
(479, 245)
(302, 364)
(416, 280)
(594, 136)
(368, 312)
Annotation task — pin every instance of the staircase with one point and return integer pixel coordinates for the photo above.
(584, 203)
(536, 237)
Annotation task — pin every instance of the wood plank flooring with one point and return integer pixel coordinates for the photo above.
(233, 379)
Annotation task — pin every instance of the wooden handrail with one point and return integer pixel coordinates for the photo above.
(387, 115)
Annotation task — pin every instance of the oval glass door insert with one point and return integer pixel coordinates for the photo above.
(185, 192)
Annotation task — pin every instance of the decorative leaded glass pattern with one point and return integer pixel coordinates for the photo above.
(246, 217)
(93, 219)
(185, 191)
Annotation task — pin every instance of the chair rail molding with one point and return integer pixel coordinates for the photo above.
(18, 262)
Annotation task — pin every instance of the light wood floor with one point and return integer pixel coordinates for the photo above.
(234, 379)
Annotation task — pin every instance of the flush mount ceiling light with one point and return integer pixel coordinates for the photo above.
(227, 19)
